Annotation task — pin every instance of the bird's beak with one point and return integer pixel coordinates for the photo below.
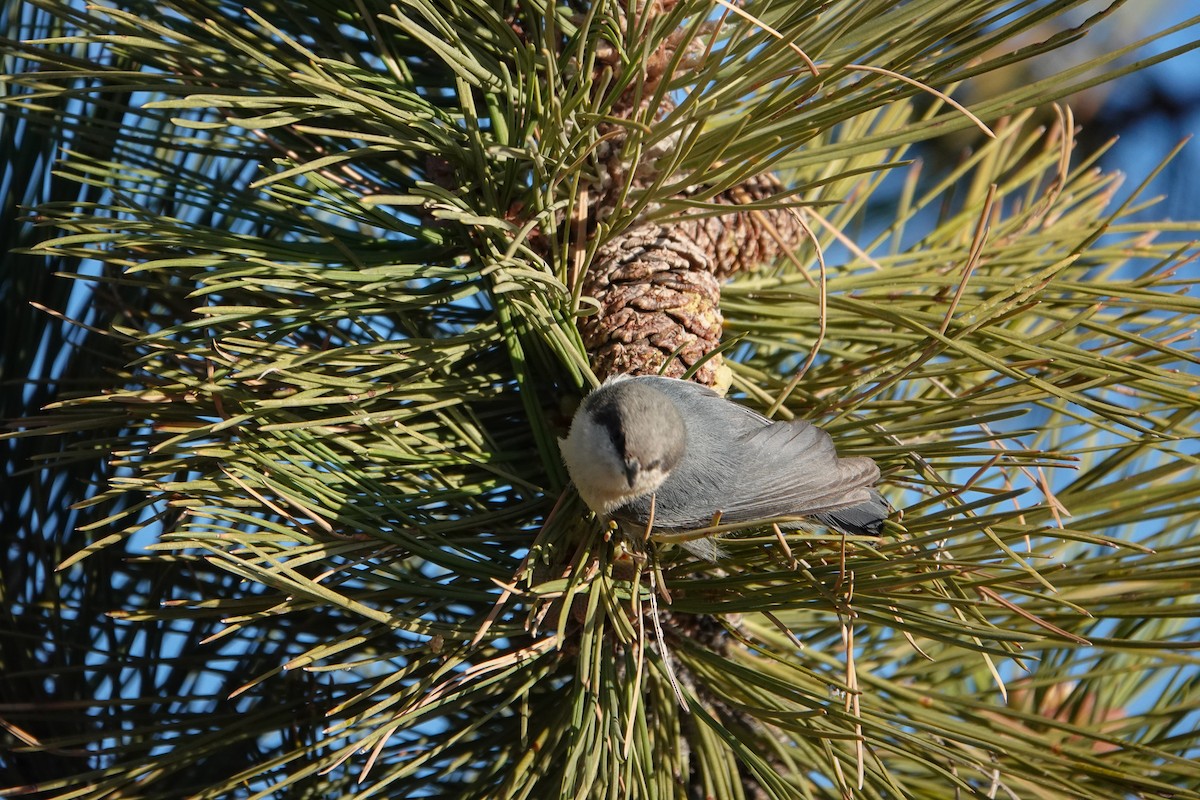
(632, 468)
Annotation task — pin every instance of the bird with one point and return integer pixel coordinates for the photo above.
(649, 445)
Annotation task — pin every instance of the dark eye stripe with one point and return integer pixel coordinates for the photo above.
(606, 414)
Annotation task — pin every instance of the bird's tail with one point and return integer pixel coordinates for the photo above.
(864, 519)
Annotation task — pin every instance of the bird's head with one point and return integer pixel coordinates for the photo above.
(624, 441)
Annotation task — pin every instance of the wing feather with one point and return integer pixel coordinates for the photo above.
(798, 472)
(756, 468)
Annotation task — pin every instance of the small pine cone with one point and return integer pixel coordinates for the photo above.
(659, 286)
(657, 296)
(745, 240)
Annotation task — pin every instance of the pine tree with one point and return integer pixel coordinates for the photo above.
(285, 509)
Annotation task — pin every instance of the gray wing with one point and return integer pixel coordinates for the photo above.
(751, 468)
(795, 469)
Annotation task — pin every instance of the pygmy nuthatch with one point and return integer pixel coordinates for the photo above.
(695, 457)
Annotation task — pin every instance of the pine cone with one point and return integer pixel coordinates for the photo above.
(658, 285)
(657, 297)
